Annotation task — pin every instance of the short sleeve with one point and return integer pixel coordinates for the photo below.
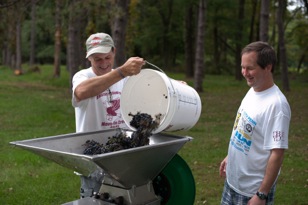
(77, 79)
(277, 131)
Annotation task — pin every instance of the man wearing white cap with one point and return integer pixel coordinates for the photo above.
(96, 95)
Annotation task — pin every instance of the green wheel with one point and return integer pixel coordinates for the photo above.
(175, 183)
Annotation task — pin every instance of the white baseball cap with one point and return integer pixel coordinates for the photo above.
(99, 43)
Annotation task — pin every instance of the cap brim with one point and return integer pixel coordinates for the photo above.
(100, 49)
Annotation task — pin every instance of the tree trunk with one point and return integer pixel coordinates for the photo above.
(239, 40)
(252, 21)
(282, 50)
(119, 31)
(72, 47)
(273, 37)
(199, 63)
(189, 42)
(18, 69)
(166, 14)
(301, 60)
(217, 53)
(264, 20)
(7, 38)
(57, 70)
(33, 33)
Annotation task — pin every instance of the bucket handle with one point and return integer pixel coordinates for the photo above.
(162, 72)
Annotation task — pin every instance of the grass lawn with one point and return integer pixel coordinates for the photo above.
(36, 105)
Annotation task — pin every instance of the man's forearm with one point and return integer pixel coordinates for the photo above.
(273, 166)
(97, 85)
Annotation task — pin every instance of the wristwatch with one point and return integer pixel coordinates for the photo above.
(261, 195)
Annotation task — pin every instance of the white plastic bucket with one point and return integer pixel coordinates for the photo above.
(153, 92)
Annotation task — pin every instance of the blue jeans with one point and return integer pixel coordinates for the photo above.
(230, 197)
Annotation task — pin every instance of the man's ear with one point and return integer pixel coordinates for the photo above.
(269, 67)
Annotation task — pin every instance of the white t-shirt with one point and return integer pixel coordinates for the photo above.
(100, 112)
(261, 124)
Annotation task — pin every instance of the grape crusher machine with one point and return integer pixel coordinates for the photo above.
(149, 175)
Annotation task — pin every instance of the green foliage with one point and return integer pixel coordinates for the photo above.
(297, 33)
(44, 30)
(160, 30)
(155, 31)
(35, 105)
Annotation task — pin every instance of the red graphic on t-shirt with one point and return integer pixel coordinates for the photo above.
(278, 136)
(115, 105)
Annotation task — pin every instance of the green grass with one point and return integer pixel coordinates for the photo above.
(36, 105)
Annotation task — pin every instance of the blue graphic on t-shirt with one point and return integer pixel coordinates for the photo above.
(242, 134)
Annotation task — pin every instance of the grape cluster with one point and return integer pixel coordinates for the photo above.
(141, 120)
(92, 147)
(144, 125)
(118, 142)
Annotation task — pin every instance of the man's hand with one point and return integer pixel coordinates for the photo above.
(256, 201)
(132, 66)
(223, 166)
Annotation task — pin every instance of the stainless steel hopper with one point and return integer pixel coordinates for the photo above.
(131, 167)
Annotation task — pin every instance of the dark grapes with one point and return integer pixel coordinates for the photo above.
(144, 125)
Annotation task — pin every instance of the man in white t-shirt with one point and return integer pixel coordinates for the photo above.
(96, 95)
(260, 133)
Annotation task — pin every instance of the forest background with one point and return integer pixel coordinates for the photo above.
(197, 37)
(196, 40)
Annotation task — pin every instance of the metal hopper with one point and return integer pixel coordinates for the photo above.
(131, 167)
